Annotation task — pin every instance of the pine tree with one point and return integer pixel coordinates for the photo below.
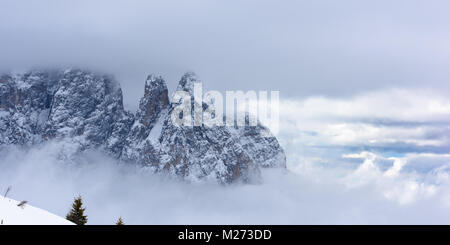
(76, 215)
(120, 221)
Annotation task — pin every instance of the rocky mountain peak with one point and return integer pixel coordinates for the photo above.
(84, 110)
(187, 82)
(87, 111)
(154, 101)
(153, 81)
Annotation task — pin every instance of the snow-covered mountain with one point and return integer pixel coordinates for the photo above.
(12, 214)
(84, 110)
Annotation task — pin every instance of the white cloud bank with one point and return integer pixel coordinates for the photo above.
(377, 158)
(398, 119)
(309, 194)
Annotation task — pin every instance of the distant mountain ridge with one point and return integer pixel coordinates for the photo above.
(86, 110)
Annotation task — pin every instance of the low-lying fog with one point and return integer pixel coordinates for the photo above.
(304, 195)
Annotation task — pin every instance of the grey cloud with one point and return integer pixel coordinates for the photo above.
(297, 47)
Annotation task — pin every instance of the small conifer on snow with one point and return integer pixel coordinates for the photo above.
(76, 214)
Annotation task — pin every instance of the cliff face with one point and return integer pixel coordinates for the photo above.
(85, 110)
(25, 102)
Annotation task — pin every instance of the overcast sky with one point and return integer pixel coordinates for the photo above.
(302, 48)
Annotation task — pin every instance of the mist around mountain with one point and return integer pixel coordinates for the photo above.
(84, 110)
(345, 165)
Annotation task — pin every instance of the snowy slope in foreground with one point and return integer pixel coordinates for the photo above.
(11, 214)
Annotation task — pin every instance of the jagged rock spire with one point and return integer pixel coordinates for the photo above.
(154, 101)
